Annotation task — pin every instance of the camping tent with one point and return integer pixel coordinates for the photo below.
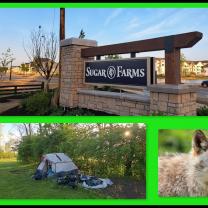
(58, 162)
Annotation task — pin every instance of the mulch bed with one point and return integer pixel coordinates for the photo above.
(19, 111)
(126, 188)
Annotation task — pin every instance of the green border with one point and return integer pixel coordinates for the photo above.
(104, 5)
(153, 124)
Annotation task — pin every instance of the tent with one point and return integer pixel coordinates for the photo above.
(57, 163)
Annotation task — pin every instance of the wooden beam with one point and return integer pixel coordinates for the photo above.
(185, 40)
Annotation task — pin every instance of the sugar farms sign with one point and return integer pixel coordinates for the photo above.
(132, 72)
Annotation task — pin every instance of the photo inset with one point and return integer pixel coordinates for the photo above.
(124, 62)
(183, 163)
(72, 161)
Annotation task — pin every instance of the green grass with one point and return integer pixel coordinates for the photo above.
(16, 183)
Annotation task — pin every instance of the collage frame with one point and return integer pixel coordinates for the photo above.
(153, 124)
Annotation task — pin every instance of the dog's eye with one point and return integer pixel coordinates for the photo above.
(204, 146)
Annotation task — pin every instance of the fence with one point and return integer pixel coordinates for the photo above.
(18, 89)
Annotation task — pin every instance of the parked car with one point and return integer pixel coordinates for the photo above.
(204, 83)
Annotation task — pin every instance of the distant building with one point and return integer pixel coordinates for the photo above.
(187, 67)
(31, 66)
(160, 66)
(205, 69)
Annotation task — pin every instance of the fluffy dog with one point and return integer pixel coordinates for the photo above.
(185, 174)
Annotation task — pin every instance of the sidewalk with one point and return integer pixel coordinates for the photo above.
(8, 105)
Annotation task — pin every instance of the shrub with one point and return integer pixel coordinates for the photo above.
(79, 112)
(202, 111)
(158, 113)
(38, 103)
(104, 153)
(54, 111)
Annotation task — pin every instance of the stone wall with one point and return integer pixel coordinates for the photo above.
(164, 99)
(173, 100)
(72, 70)
(114, 103)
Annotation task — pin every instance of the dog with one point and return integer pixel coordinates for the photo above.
(185, 174)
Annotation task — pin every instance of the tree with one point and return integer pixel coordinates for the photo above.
(98, 149)
(6, 59)
(182, 61)
(42, 52)
(24, 68)
(1, 126)
(82, 34)
(3, 70)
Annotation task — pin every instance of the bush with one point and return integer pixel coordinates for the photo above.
(158, 113)
(54, 111)
(79, 112)
(105, 153)
(202, 111)
(37, 104)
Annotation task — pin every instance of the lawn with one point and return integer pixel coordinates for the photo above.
(16, 183)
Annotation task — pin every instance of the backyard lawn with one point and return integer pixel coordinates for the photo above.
(16, 183)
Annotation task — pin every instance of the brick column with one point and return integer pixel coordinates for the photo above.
(72, 72)
(173, 99)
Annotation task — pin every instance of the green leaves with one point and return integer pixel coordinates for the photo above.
(98, 149)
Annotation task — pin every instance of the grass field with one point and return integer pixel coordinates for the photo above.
(16, 183)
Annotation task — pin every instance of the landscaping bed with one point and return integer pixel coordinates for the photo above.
(40, 104)
(19, 111)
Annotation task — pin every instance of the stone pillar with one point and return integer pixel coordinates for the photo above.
(173, 100)
(72, 72)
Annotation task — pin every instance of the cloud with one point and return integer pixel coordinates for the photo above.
(112, 16)
(134, 23)
(163, 27)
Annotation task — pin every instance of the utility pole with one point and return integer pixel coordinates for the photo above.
(62, 24)
(61, 37)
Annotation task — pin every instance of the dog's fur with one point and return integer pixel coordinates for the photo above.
(185, 174)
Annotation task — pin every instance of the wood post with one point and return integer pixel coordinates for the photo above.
(172, 67)
(15, 90)
(42, 85)
(133, 55)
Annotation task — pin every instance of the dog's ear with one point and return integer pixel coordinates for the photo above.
(199, 142)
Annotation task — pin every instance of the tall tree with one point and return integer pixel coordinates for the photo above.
(42, 52)
(82, 34)
(182, 61)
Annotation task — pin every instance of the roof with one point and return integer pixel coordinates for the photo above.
(57, 157)
(205, 66)
(188, 61)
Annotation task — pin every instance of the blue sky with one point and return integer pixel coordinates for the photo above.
(107, 26)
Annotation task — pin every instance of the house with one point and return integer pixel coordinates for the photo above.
(187, 67)
(205, 70)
